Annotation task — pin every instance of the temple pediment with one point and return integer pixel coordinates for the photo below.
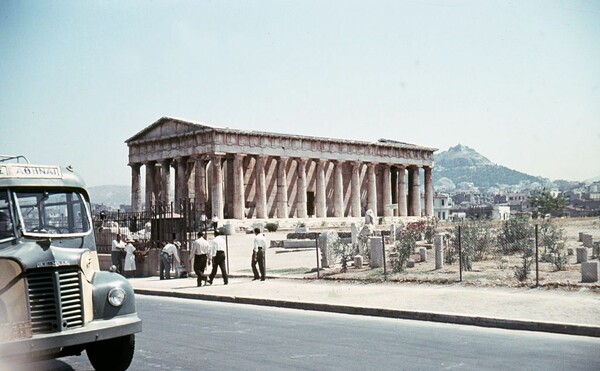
(168, 127)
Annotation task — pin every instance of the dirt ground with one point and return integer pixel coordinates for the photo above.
(494, 271)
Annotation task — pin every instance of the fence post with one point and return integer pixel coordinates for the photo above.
(537, 259)
(227, 252)
(460, 269)
(317, 252)
(384, 265)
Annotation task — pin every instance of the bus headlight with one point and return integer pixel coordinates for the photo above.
(116, 296)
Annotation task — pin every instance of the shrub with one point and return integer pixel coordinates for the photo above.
(430, 228)
(552, 239)
(522, 271)
(272, 227)
(404, 246)
(344, 252)
(515, 235)
(477, 243)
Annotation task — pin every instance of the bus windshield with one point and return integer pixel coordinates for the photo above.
(52, 212)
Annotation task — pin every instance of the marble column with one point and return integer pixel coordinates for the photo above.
(355, 189)
(387, 190)
(239, 206)
(150, 184)
(428, 191)
(158, 178)
(190, 189)
(136, 188)
(165, 172)
(338, 190)
(301, 196)
(402, 210)
(282, 189)
(200, 184)
(180, 182)
(217, 186)
(371, 188)
(261, 187)
(414, 196)
(320, 197)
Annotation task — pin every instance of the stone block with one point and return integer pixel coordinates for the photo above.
(596, 249)
(587, 240)
(589, 272)
(582, 254)
(410, 263)
(423, 254)
(358, 261)
(438, 242)
(580, 237)
(326, 241)
(298, 244)
(376, 252)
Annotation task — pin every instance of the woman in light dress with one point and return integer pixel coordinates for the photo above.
(129, 265)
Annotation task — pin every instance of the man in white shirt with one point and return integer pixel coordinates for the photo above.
(199, 258)
(258, 254)
(170, 250)
(116, 253)
(215, 223)
(217, 251)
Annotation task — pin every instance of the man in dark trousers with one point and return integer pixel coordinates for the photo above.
(258, 254)
(199, 258)
(217, 251)
(169, 251)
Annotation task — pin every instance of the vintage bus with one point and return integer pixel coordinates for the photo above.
(54, 300)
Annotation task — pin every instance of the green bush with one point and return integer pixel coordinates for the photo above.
(552, 239)
(515, 235)
(272, 227)
(344, 252)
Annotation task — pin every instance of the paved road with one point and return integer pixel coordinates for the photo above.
(181, 334)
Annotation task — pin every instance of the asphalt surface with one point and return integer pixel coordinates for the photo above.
(555, 311)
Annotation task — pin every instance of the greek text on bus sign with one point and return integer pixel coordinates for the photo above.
(30, 171)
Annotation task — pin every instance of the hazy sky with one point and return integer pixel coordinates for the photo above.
(518, 81)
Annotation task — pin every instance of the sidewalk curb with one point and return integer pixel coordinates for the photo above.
(508, 324)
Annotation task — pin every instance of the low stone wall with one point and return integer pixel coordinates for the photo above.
(149, 267)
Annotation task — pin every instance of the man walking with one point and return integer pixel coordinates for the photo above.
(217, 251)
(199, 258)
(168, 252)
(116, 253)
(258, 254)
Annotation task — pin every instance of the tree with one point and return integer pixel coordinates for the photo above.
(546, 203)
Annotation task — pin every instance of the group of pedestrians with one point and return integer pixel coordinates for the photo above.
(202, 254)
(123, 257)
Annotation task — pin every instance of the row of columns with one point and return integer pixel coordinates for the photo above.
(158, 186)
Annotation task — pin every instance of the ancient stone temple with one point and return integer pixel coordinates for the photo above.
(248, 174)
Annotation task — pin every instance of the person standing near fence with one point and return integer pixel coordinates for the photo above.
(258, 254)
(199, 258)
(129, 265)
(168, 252)
(217, 251)
(116, 252)
(215, 223)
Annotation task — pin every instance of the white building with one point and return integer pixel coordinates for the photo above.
(442, 202)
(501, 212)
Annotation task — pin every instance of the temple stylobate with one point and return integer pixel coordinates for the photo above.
(238, 174)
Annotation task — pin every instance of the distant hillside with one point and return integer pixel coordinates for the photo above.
(463, 164)
(110, 195)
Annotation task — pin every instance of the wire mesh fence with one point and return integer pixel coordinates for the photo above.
(520, 251)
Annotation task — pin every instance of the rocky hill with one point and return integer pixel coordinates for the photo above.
(462, 164)
(110, 195)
